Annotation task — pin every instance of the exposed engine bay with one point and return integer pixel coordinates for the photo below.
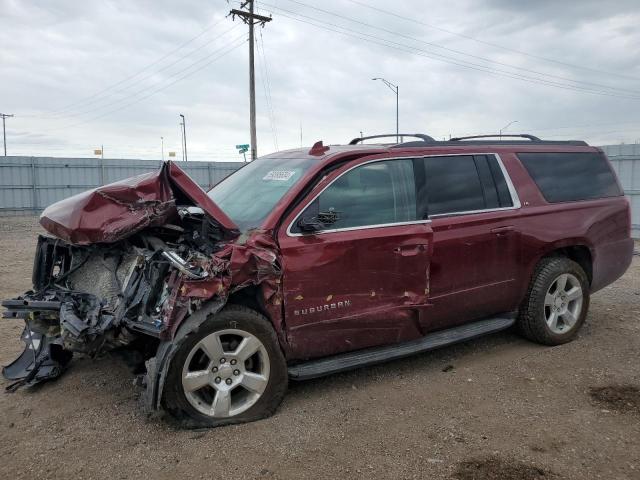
(128, 263)
(94, 298)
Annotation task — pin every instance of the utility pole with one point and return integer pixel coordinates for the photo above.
(184, 138)
(251, 19)
(4, 132)
(162, 147)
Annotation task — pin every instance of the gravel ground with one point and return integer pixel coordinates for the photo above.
(494, 408)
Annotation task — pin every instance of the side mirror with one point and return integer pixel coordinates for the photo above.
(309, 224)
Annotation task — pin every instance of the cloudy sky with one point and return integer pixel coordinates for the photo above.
(80, 74)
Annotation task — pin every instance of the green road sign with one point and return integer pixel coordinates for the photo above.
(244, 146)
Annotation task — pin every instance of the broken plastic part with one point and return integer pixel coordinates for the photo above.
(42, 359)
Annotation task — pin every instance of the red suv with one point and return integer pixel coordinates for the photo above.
(309, 262)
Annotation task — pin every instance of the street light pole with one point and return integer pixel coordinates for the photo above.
(507, 126)
(4, 132)
(184, 137)
(395, 89)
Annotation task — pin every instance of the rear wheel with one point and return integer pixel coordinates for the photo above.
(557, 302)
(230, 370)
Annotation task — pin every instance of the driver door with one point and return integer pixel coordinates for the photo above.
(358, 276)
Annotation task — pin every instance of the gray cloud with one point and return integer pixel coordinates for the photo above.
(58, 53)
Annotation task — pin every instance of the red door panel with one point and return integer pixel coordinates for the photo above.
(356, 288)
(474, 267)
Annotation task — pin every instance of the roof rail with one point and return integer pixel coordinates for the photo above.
(425, 138)
(518, 135)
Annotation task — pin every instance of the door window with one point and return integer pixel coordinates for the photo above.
(452, 185)
(458, 184)
(372, 194)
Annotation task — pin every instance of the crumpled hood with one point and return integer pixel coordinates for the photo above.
(113, 212)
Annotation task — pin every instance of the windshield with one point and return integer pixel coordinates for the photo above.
(248, 195)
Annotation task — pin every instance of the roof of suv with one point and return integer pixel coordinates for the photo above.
(476, 143)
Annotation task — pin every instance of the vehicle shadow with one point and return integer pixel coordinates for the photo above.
(428, 363)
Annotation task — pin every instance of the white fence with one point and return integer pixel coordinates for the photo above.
(29, 184)
(626, 162)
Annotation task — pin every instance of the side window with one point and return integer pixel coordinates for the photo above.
(566, 177)
(452, 185)
(504, 196)
(372, 194)
(496, 191)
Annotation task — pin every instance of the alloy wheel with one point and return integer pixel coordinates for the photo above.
(563, 303)
(225, 373)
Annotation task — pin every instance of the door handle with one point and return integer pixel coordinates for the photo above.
(410, 250)
(501, 231)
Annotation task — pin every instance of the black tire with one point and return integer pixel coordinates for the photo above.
(531, 322)
(237, 317)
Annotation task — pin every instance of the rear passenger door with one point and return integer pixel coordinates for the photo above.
(472, 206)
(361, 279)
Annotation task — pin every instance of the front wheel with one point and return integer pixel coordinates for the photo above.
(229, 370)
(557, 302)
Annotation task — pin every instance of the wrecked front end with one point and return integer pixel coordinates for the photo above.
(128, 278)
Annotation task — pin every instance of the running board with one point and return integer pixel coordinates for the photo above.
(372, 356)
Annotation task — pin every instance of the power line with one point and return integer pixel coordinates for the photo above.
(459, 52)
(268, 78)
(142, 79)
(435, 56)
(266, 84)
(146, 90)
(266, 97)
(144, 69)
(153, 92)
(463, 63)
(469, 37)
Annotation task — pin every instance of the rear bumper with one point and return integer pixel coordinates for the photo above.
(611, 261)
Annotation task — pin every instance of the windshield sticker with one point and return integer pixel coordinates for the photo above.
(279, 175)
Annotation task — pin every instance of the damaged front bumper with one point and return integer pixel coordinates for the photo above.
(44, 356)
(86, 299)
(55, 327)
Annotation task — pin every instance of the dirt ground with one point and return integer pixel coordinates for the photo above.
(495, 408)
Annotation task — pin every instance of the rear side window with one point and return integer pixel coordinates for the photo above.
(452, 185)
(566, 177)
(458, 184)
(371, 194)
(461, 183)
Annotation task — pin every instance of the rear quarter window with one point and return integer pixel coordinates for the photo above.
(567, 177)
